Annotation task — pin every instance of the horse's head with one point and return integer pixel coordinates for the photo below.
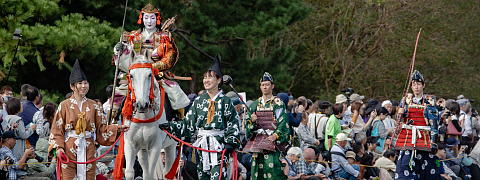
(141, 77)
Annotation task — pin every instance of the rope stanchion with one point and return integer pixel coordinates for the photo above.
(63, 159)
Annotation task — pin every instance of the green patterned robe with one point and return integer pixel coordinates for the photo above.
(225, 119)
(268, 165)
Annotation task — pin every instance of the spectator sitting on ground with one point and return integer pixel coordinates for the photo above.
(314, 168)
(372, 144)
(341, 167)
(350, 155)
(387, 162)
(451, 153)
(14, 171)
(39, 170)
(368, 172)
(359, 150)
(448, 173)
(294, 166)
(14, 122)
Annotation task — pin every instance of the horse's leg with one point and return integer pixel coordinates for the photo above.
(130, 152)
(143, 160)
(153, 155)
(170, 153)
(159, 170)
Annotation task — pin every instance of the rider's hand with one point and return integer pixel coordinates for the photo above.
(119, 47)
(124, 128)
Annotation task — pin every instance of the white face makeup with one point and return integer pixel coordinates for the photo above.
(149, 21)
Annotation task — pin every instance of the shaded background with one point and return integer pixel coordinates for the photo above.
(312, 47)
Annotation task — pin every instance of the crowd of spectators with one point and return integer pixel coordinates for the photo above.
(351, 138)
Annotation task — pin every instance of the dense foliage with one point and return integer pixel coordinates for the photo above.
(312, 47)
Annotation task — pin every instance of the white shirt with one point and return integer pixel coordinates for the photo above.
(467, 124)
(389, 122)
(317, 121)
(347, 116)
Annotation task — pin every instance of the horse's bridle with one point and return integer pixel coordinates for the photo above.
(131, 94)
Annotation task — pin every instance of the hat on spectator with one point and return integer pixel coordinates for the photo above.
(236, 101)
(356, 97)
(461, 96)
(284, 97)
(340, 99)
(8, 134)
(324, 105)
(462, 102)
(350, 154)
(386, 102)
(342, 137)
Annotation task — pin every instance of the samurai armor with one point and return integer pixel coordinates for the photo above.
(415, 132)
(266, 124)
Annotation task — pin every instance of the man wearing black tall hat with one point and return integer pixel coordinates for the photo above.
(414, 138)
(78, 124)
(9, 142)
(211, 123)
(267, 129)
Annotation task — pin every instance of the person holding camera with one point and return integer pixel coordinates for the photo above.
(451, 118)
(15, 171)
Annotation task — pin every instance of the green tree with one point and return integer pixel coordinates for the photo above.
(56, 32)
(51, 41)
(369, 45)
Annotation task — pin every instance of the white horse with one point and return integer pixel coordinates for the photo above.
(146, 139)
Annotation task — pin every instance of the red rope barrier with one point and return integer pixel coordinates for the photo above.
(63, 159)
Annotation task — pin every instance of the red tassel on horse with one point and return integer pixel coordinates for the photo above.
(119, 161)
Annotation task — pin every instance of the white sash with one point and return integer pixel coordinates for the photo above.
(414, 131)
(209, 159)
(81, 151)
